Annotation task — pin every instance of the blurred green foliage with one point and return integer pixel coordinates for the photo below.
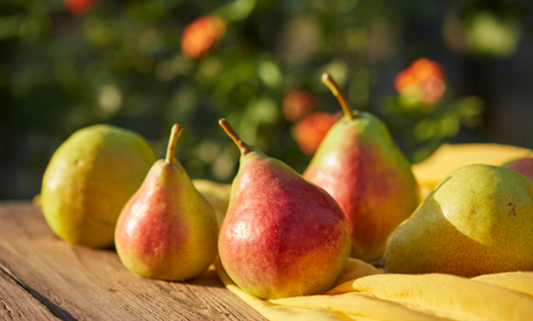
(122, 63)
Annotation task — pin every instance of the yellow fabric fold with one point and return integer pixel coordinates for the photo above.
(449, 157)
(366, 293)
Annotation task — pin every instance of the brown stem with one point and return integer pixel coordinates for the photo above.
(339, 94)
(245, 148)
(171, 149)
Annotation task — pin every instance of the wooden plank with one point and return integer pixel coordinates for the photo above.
(90, 284)
(18, 304)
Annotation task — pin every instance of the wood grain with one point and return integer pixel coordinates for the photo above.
(18, 304)
(55, 279)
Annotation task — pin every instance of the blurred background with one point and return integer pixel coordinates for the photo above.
(435, 71)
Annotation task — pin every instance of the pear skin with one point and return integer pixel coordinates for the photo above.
(167, 230)
(361, 167)
(522, 165)
(282, 236)
(216, 194)
(478, 220)
(88, 181)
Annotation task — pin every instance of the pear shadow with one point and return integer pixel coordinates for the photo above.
(111, 248)
(208, 279)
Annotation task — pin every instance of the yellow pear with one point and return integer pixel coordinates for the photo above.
(477, 220)
(89, 179)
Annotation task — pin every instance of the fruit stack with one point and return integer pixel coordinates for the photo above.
(289, 235)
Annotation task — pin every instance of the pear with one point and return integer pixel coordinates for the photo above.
(282, 236)
(167, 230)
(89, 179)
(522, 165)
(477, 220)
(216, 194)
(362, 168)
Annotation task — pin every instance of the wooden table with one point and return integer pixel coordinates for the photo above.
(45, 278)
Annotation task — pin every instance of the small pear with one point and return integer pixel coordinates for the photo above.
(167, 230)
(362, 168)
(478, 220)
(282, 236)
(89, 179)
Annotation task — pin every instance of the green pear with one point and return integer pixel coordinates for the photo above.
(477, 220)
(361, 167)
(167, 230)
(89, 179)
(282, 236)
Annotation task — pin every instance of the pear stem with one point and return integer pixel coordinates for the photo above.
(171, 149)
(245, 148)
(339, 94)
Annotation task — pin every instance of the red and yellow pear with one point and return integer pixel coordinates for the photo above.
(167, 230)
(311, 130)
(282, 235)
(361, 167)
(522, 165)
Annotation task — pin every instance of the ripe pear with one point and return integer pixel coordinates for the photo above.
(361, 167)
(477, 220)
(89, 179)
(522, 165)
(216, 194)
(282, 236)
(167, 230)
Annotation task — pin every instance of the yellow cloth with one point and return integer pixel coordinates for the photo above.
(448, 158)
(366, 293)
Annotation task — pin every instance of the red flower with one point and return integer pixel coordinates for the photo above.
(297, 104)
(199, 36)
(423, 77)
(79, 7)
(311, 130)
